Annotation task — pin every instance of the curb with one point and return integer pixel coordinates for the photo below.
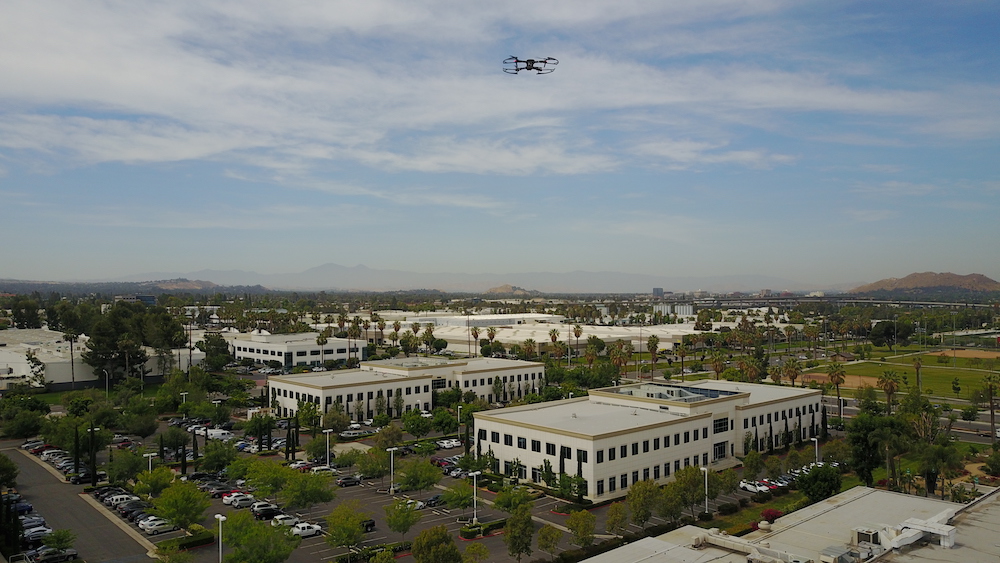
(135, 535)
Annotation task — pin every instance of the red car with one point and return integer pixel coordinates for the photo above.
(40, 449)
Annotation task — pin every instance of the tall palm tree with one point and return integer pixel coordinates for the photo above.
(491, 333)
(991, 383)
(474, 331)
(554, 335)
(653, 347)
(577, 332)
(590, 356)
(917, 364)
(353, 332)
(789, 333)
(718, 363)
(415, 327)
(366, 324)
(528, 347)
(835, 372)
(71, 336)
(321, 341)
(889, 382)
(381, 330)
(397, 326)
(774, 372)
(792, 370)
(812, 333)
(682, 352)
(341, 321)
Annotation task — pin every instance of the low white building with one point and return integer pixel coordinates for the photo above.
(618, 436)
(292, 350)
(414, 379)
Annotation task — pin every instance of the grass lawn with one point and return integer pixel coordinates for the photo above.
(794, 500)
(56, 397)
(936, 378)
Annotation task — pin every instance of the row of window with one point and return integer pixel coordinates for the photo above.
(623, 450)
(536, 446)
(340, 398)
(784, 415)
(489, 380)
(298, 353)
(622, 481)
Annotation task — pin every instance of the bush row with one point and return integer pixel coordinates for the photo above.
(366, 553)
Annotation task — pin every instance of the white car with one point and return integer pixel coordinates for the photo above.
(298, 464)
(444, 444)
(151, 522)
(284, 520)
(354, 426)
(325, 470)
(416, 504)
(305, 529)
(455, 443)
(243, 501)
(230, 498)
(160, 526)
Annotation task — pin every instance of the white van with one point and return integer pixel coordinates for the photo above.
(224, 435)
(353, 434)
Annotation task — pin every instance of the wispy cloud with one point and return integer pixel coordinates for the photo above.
(895, 189)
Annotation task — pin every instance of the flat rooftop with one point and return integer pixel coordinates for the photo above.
(460, 364)
(336, 378)
(759, 392)
(583, 416)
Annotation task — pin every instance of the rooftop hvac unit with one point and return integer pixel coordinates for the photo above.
(864, 535)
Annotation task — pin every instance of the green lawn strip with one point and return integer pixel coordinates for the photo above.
(935, 377)
(744, 519)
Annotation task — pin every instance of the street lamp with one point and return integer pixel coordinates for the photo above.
(705, 471)
(184, 397)
(221, 519)
(816, 441)
(93, 456)
(107, 384)
(460, 419)
(327, 432)
(392, 469)
(475, 514)
(150, 457)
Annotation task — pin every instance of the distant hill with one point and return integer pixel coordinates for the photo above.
(508, 289)
(928, 283)
(179, 285)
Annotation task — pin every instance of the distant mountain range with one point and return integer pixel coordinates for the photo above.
(932, 282)
(334, 277)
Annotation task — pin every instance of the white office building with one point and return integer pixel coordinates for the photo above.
(414, 379)
(292, 350)
(618, 436)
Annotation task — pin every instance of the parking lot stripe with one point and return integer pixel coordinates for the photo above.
(123, 525)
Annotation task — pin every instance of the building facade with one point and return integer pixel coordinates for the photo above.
(292, 349)
(618, 436)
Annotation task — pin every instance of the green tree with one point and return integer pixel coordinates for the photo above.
(671, 503)
(773, 466)
(218, 454)
(61, 540)
(389, 436)
(641, 499)
(458, 496)
(511, 497)
(303, 490)
(617, 521)
(865, 456)
(475, 552)
(435, 545)
(444, 422)
(268, 477)
(820, 482)
(154, 482)
(250, 540)
(168, 553)
(182, 503)
(386, 556)
(374, 464)
(548, 539)
(691, 486)
(419, 475)
(581, 524)
(401, 516)
(753, 464)
(416, 425)
(344, 524)
(25, 424)
(8, 471)
(125, 466)
(836, 374)
(518, 532)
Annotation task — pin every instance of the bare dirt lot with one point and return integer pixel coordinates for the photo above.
(984, 354)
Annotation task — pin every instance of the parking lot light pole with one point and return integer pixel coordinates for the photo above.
(816, 441)
(392, 469)
(705, 471)
(184, 397)
(475, 514)
(107, 384)
(221, 519)
(150, 458)
(327, 432)
(459, 420)
(93, 455)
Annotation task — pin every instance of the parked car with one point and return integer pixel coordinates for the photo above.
(29, 521)
(47, 554)
(154, 521)
(305, 529)
(242, 501)
(368, 525)
(435, 500)
(36, 534)
(160, 526)
(267, 513)
(416, 504)
(284, 520)
(23, 507)
(348, 481)
(32, 444)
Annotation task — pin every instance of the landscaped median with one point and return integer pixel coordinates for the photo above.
(487, 529)
(199, 536)
(366, 553)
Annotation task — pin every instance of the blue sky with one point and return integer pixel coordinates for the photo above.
(823, 142)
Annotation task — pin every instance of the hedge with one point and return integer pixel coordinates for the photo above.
(704, 516)
(366, 553)
(744, 502)
(729, 508)
(470, 532)
(493, 526)
(194, 540)
(761, 498)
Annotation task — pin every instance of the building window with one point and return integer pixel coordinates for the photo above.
(656, 471)
(301, 353)
(623, 480)
(687, 437)
(704, 459)
(495, 437)
(612, 485)
(624, 451)
(426, 388)
(565, 452)
(600, 487)
(720, 425)
(482, 434)
(465, 383)
(508, 440)
(656, 443)
(341, 350)
(635, 448)
(746, 423)
(677, 438)
(719, 451)
(581, 456)
(645, 473)
(522, 443)
(600, 456)
(635, 477)
(408, 391)
(550, 449)
(611, 454)
(645, 446)
(677, 465)
(687, 462)
(695, 434)
(704, 431)
(536, 446)
(474, 383)
(666, 469)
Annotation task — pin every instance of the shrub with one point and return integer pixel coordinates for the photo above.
(771, 514)
(744, 502)
(493, 487)
(687, 521)
(761, 498)
(728, 508)
(203, 537)
(366, 553)
(780, 491)
(470, 532)
(490, 527)
(704, 516)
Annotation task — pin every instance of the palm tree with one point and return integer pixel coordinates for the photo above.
(491, 333)
(889, 441)
(991, 382)
(354, 331)
(474, 331)
(321, 341)
(682, 353)
(341, 321)
(792, 370)
(577, 332)
(812, 333)
(396, 327)
(415, 327)
(653, 347)
(71, 336)
(916, 367)
(718, 363)
(835, 372)
(889, 382)
(381, 330)
(366, 324)
(789, 333)
(554, 335)
(528, 347)
(774, 372)
(590, 355)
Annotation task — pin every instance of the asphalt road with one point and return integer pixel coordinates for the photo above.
(98, 538)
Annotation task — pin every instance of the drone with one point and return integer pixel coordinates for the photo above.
(514, 65)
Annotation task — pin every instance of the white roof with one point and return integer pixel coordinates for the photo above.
(583, 416)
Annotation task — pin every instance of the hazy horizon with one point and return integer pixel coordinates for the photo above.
(824, 143)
